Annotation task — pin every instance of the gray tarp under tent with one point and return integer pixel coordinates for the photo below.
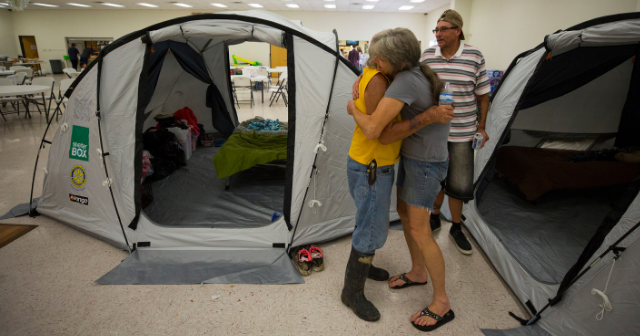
(566, 247)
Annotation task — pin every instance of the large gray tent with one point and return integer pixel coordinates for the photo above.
(153, 71)
(556, 254)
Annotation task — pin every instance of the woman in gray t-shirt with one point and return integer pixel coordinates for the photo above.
(424, 158)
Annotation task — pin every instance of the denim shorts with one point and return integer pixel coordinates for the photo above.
(459, 182)
(373, 203)
(420, 181)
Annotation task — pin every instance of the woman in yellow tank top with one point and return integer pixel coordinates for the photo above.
(363, 150)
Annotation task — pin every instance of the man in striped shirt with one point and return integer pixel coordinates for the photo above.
(462, 66)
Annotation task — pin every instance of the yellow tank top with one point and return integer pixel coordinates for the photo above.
(364, 150)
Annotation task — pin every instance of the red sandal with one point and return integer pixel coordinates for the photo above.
(303, 261)
(318, 262)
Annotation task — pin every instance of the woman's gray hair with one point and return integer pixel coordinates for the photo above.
(400, 47)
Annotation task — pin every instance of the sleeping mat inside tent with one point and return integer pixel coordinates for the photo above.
(548, 236)
(193, 196)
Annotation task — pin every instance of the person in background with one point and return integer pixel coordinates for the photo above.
(354, 56)
(363, 60)
(86, 53)
(423, 165)
(360, 58)
(463, 67)
(73, 56)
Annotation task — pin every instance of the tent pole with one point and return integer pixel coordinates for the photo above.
(104, 161)
(326, 116)
(32, 211)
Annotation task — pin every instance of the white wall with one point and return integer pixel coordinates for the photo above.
(50, 27)
(252, 51)
(359, 25)
(432, 22)
(502, 29)
(7, 37)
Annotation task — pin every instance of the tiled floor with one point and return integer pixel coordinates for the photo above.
(47, 279)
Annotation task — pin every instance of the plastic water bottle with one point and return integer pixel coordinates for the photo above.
(446, 95)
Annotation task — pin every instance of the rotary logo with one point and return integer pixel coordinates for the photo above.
(78, 177)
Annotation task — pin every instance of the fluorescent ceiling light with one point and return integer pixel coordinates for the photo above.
(112, 5)
(77, 5)
(293, 6)
(372, 0)
(329, 0)
(368, 7)
(329, 6)
(405, 7)
(4, 4)
(256, 5)
(183, 5)
(219, 5)
(147, 5)
(416, 1)
(44, 5)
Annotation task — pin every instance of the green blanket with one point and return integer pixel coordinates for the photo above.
(245, 150)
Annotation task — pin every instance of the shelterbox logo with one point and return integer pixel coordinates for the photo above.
(79, 148)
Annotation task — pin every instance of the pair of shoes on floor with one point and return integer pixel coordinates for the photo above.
(459, 238)
(308, 258)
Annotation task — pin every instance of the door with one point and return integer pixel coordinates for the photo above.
(278, 58)
(28, 45)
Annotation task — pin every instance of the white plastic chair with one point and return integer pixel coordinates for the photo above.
(44, 81)
(278, 91)
(242, 85)
(62, 100)
(29, 75)
(264, 72)
(18, 78)
(70, 72)
(11, 99)
(247, 71)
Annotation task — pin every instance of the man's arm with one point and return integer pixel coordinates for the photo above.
(373, 125)
(483, 106)
(396, 131)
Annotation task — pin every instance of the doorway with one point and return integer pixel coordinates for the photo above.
(28, 46)
(278, 58)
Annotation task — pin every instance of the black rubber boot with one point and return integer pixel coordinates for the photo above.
(377, 274)
(353, 291)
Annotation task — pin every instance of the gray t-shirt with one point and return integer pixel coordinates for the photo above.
(430, 142)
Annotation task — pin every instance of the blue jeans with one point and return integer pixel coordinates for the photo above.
(420, 181)
(373, 203)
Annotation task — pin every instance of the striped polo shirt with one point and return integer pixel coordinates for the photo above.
(466, 74)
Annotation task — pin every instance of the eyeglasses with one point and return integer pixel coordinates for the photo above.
(443, 29)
